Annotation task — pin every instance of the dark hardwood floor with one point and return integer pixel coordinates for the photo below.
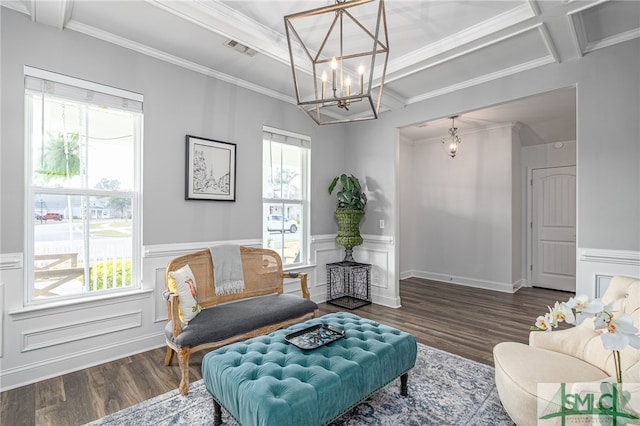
(461, 320)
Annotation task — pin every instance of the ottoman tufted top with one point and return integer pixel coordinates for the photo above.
(267, 381)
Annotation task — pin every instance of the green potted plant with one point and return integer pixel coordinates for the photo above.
(349, 211)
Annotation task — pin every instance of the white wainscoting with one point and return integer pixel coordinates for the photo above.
(158, 256)
(597, 267)
(8, 262)
(1, 320)
(80, 329)
(40, 342)
(379, 251)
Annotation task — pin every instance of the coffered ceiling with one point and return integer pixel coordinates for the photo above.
(436, 46)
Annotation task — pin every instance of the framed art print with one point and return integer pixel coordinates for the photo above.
(211, 170)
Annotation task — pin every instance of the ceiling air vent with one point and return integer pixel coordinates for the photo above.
(239, 47)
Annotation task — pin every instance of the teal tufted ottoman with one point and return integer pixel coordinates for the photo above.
(267, 381)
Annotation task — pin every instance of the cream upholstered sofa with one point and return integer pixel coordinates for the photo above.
(572, 355)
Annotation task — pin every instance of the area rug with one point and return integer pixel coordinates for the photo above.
(444, 389)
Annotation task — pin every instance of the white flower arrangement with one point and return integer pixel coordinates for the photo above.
(616, 330)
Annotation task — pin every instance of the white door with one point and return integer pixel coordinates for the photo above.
(554, 228)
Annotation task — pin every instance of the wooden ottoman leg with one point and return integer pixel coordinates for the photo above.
(404, 389)
(217, 413)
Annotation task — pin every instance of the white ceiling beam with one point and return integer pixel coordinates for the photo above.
(55, 13)
(491, 26)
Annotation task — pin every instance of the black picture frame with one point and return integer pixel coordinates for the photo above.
(210, 169)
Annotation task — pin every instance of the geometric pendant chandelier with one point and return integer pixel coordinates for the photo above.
(339, 57)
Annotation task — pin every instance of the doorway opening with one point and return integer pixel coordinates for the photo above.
(467, 219)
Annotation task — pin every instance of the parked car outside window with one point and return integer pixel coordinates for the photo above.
(47, 216)
(279, 223)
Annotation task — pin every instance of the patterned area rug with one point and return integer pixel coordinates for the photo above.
(444, 389)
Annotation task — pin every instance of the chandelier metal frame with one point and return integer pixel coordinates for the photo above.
(329, 103)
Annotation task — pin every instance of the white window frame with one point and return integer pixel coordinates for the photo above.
(31, 190)
(302, 141)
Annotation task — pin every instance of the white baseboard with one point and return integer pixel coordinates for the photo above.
(408, 274)
(520, 284)
(390, 302)
(29, 373)
(466, 281)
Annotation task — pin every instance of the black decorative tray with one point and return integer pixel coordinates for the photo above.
(315, 336)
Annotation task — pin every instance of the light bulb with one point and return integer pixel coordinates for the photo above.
(334, 67)
(324, 84)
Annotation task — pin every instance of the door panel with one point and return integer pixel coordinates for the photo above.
(554, 228)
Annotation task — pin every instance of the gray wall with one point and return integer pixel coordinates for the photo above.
(176, 102)
(180, 102)
(608, 142)
(464, 209)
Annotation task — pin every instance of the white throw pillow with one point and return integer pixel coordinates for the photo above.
(185, 286)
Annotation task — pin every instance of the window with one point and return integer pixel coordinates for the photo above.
(285, 181)
(83, 143)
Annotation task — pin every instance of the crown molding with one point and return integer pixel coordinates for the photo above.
(483, 79)
(579, 32)
(18, 6)
(167, 57)
(610, 41)
(551, 57)
(548, 42)
(462, 132)
(491, 26)
(463, 52)
(221, 19)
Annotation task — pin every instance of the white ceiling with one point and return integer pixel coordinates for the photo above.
(436, 46)
(550, 116)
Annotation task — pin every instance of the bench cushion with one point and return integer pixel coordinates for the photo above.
(221, 322)
(266, 381)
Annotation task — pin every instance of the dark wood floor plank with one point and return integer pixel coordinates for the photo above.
(81, 398)
(462, 320)
(18, 406)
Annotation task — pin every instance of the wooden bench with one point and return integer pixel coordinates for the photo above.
(262, 307)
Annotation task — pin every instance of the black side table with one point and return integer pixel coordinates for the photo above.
(349, 284)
